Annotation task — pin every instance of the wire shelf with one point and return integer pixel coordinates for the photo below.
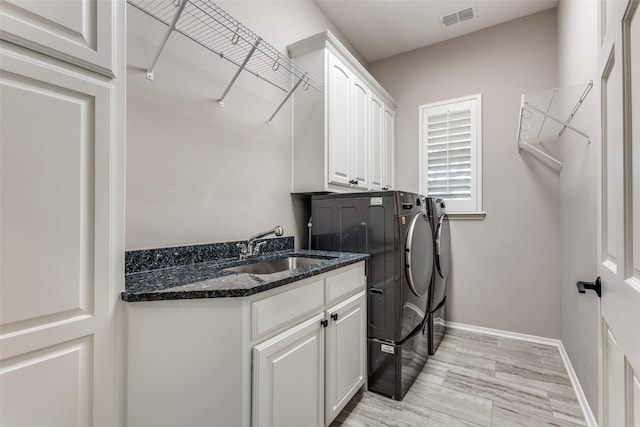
(540, 118)
(214, 29)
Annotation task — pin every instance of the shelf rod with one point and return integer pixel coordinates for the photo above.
(578, 104)
(287, 97)
(172, 27)
(557, 164)
(565, 124)
(235, 76)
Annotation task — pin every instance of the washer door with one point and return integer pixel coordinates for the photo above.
(443, 246)
(419, 254)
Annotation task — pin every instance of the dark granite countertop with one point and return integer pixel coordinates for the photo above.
(208, 279)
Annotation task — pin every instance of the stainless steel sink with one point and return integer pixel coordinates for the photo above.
(275, 265)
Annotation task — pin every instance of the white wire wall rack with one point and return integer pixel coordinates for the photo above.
(540, 120)
(214, 29)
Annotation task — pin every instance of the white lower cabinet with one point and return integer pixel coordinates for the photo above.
(288, 377)
(290, 356)
(306, 375)
(345, 340)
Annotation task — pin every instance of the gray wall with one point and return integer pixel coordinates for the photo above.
(196, 172)
(577, 62)
(505, 271)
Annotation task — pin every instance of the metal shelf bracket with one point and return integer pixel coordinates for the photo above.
(167, 34)
(286, 98)
(240, 68)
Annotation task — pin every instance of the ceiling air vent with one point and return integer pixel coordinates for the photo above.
(450, 19)
(458, 16)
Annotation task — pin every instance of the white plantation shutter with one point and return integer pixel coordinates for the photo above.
(450, 146)
(449, 154)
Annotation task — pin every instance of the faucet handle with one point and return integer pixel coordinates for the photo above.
(244, 249)
(259, 245)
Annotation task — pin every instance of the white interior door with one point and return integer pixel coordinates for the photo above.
(619, 216)
(57, 270)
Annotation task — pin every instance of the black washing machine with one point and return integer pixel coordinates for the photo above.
(436, 310)
(394, 228)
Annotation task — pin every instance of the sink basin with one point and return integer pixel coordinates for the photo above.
(275, 265)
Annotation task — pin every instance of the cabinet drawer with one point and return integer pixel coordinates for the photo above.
(274, 312)
(345, 284)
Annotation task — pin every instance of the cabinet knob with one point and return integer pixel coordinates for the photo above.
(334, 316)
(324, 323)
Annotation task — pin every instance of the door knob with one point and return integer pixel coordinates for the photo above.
(594, 286)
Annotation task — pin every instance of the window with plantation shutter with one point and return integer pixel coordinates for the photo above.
(450, 153)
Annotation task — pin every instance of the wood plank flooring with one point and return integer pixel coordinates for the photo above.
(477, 380)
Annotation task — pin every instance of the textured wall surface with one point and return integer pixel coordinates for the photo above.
(198, 173)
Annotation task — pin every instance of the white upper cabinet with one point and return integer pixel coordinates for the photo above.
(77, 31)
(340, 140)
(347, 127)
(376, 110)
(382, 125)
(360, 161)
(388, 149)
(339, 126)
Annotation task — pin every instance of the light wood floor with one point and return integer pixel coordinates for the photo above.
(477, 380)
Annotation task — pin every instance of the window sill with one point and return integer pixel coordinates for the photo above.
(466, 215)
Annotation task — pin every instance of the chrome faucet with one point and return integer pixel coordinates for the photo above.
(251, 249)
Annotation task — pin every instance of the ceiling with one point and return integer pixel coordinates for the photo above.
(382, 28)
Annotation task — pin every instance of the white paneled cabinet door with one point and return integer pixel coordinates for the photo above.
(345, 352)
(619, 213)
(288, 377)
(338, 124)
(388, 175)
(77, 31)
(56, 195)
(360, 135)
(376, 110)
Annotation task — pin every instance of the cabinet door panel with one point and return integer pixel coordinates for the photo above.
(339, 128)
(360, 132)
(288, 377)
(388, 175)
(345, 353)
(77, 31)
(57, 381)
(377, 137)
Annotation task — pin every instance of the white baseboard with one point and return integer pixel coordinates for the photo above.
(582, 399)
